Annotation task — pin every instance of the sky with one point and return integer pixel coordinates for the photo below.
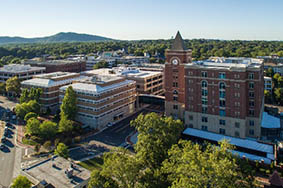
(145, 19)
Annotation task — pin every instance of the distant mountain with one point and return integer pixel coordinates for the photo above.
(60, 37)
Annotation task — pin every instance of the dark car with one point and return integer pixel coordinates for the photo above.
(6, 133)
(9, 125)
(2, 146)
(3, 139)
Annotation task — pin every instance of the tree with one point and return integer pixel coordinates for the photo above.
(13, 85)
(47, 145)
(2, 88)
(65, 125)
(22, 109)
(21, 182)
(48, 129)
(62, 150)
(32, 94)
(270, 72)
(34, 106)
(267, 96)
(279, 95)
(24, 96)
(101, 64)
(99, 181)
(152, 145)
(69, 104)
(275, 79)
(33, 126)
(30, 115)
(202, 166)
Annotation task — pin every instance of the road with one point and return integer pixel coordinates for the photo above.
(7, 156)
(116, 135)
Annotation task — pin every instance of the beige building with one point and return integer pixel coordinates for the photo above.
(147, 82)
(103, 99)
(50, 84)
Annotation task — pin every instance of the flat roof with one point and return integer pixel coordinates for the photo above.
(269, 121)
(95, 88)
(48, 82)
(127, 72)
(52, 62)
(19, 68)
(244, 143)
(45, 170)
(229, 62)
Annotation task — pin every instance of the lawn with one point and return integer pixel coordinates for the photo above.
(95, 163)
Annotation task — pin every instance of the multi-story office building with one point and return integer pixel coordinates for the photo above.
(92, 60)
(267, 83)
(103, 99)
(66, 65)
(220, 95)
(50, 84)
(147, 82)
(23, 72)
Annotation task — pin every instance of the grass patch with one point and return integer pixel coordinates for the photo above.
(95, 163)
(29, 142)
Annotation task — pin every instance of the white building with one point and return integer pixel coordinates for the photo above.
(267, 83)
(23, 72)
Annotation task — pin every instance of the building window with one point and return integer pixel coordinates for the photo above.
(251, 94)
(251, 132)
(175, 92)
(251, 122)
(222, 113)
(191, 118)
(221, 94)
(204, 101)
(175, 98)
(204, 84)
(237, 86)
(222, 122)
(237, 124)
(204, 110)
(222, 103)
(222, 85)
(237, 134)
(204, 128)
(138, 86)
(251, 112)
(222, 75)
(237, 95)
(175, 84)
(236, 76)
(251, 103)
(204, 119)
(251, 76)
(204, 92)
(221, 131)
(237, 104)
(251, 85)
(190, 73)
(175, 107)
(204, 74)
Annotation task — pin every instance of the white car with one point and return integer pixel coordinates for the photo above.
(14, 117)
(110, 124)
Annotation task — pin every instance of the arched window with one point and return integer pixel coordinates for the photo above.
(204, 84)
(175, 92)
(222, 85)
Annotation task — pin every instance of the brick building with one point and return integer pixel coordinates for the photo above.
(220, 95)
(50, 84)
(59, 65)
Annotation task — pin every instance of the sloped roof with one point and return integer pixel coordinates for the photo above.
(178, 43)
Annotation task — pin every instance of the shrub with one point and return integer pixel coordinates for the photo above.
(56, 141)
(37, 147)
(47, 145)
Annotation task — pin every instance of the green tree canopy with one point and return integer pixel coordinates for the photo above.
(152, 145)
(62, 150)
(30, 115)
(21, 182)
(33, 126)
(32, 94)
(2, 88)
(69, 104)
(100, 64)
(13, 85)
(48, 129)
(65, 125)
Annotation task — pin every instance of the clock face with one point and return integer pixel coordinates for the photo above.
(175, 61)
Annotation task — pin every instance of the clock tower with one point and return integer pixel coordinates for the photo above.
(176, 58)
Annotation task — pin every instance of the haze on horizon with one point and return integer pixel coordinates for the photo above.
(135, 20)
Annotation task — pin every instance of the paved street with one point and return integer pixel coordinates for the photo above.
(7, 156)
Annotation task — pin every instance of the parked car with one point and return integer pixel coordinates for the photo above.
(110, 124)
(13, 117)
(2, 146)
(3, 139)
